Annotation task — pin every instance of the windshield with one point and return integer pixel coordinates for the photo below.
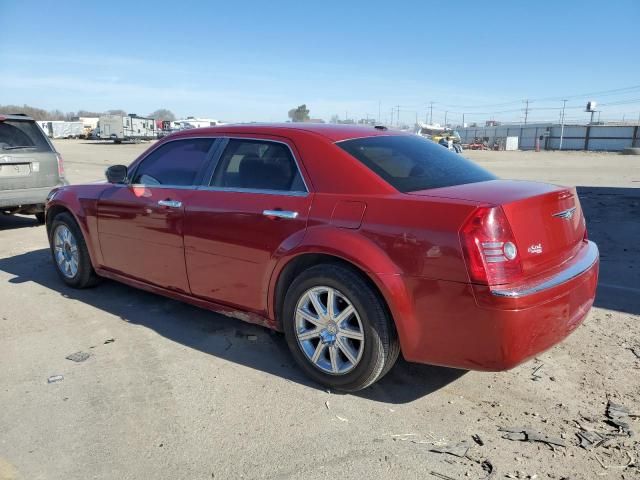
(22, 134)
(411, 163)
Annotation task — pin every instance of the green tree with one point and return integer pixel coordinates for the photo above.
(300, 114)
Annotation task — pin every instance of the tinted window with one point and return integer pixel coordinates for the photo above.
(22, 133)
(257, 164)
(412, 163)
(176, 163)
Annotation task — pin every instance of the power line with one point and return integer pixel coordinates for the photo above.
(615, 91)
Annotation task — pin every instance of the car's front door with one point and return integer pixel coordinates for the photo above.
(256, 203)
(140, 224)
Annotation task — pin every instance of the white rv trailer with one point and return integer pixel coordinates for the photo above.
(62, 129)
(191, 122)
(127, 127)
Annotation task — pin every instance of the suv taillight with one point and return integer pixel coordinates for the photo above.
(60, 165)
(490, 248)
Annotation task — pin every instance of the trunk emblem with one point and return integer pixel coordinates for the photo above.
(535, 248)
(566, 214)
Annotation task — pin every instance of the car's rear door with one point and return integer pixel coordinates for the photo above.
(140, 224)
(255, 203)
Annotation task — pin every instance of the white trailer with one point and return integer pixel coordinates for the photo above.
(130, 127)
(192, 122)
(62, 129)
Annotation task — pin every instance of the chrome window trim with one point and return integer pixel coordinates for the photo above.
(257, 190)
(144, 185)
(575, 270)
(287, 193)
(371, 136)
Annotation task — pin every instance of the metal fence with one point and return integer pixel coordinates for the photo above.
(574, 137)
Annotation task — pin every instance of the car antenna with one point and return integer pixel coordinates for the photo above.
(380, 127)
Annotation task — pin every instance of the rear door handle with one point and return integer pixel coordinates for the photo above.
(170, 203)
(287, 214)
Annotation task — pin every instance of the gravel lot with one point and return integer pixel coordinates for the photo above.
(171, 391)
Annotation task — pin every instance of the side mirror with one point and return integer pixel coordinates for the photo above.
(116, 174)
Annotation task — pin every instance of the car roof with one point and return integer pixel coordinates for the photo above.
(332, 132)
(14, 116)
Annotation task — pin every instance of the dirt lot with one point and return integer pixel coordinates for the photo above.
(171, 391)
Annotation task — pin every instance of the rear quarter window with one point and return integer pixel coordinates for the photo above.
(411, 163)
(21, 135)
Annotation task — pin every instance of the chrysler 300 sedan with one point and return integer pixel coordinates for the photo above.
(357, 242)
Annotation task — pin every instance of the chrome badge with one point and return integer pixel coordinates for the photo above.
(535, 248)
(566, 214)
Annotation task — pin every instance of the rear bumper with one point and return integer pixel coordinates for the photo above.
(477, 328)
(26, 196)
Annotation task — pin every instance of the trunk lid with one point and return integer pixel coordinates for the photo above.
(546, 220)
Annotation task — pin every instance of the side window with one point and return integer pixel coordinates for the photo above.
(176, 163)
(258, 165)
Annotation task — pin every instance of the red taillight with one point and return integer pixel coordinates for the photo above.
(490, 248)
(60, 165)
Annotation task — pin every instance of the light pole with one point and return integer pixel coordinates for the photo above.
(564, 103)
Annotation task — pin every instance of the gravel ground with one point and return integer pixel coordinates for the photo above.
(171, 391)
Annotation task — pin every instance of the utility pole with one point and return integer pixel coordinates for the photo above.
(526, 110)
(398, 115)
(462, 119)
(564, 103)
(445, 118)
(431, 113)
(391, 122)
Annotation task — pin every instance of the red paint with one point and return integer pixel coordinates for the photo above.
(218, 251)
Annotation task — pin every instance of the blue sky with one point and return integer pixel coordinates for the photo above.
(253, 60)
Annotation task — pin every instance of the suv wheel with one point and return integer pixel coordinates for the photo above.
(338, 328)
(70, 254)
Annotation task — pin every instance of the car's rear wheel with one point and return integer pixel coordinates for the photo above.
(338, 328)
(70, 254)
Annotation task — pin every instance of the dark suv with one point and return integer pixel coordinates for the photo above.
(29, 166)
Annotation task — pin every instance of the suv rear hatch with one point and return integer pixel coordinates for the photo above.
(546, 220)
(27, 159)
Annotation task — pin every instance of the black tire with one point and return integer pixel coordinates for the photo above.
(40, 217)
(381, 346)
(85, 276)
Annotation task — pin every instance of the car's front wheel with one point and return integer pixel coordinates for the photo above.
(69, 252)
(338, 328)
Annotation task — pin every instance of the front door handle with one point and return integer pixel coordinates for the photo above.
(170, 203)
(287, 214)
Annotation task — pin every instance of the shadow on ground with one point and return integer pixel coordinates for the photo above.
(216, 334)
(10, 222)
(613, 222)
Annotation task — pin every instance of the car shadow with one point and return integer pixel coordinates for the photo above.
(10, 222)
(230, 339)
(613, 222)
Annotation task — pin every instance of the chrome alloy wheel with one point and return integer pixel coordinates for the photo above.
(329, 330)
(66, 251)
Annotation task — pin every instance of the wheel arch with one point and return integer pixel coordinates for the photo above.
(389, 286)
(70, 204)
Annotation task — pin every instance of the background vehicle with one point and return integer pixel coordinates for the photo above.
(356, 242)
(29, 166)
(127, 127)
(62, 129)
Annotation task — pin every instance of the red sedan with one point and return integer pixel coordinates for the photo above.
(356, 242)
